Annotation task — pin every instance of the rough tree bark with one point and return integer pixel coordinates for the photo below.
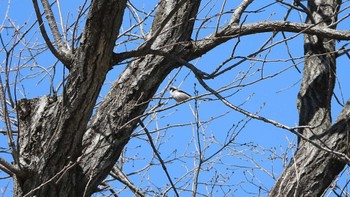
(117, 116)
(56, 159)
(312, 170)
(51, 129)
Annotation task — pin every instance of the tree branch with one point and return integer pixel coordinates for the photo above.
(53, 26)
(158, 156)
(201, 47)
(123, 178)
(6, 116)
(199, 74)
(237, 14)
(11, 169)
(62, 54)
(162, 25)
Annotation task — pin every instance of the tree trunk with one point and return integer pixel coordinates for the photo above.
(61, 154)
(127, 100)
(51, 128)
(312, 170)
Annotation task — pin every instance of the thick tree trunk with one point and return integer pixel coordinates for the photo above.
(117, 116)
(312, 170)
(51, 129)
(59, 152)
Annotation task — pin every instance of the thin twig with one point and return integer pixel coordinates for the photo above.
(75, 24)
(200, 74)
(199, 149)
(158, 156)
(219, 17)
(64, 30)
(6, 115)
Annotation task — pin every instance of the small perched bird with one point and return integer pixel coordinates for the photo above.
(179, 95)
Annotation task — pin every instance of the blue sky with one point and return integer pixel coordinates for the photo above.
(256, 141)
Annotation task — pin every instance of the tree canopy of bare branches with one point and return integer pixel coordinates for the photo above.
(101, 121)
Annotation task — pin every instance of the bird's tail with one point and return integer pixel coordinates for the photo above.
(204, 99)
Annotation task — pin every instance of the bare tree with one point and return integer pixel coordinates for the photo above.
(68, 142)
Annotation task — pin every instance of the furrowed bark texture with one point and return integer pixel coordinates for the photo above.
(60, 152)
(116, 118)
(312, 170)
(51, 129)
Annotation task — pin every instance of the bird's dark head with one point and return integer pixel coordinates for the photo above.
(172, 88)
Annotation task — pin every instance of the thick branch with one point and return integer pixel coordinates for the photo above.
(11, 169)
(110, 128)
(201, 47)
(237, 14)
(162, 25)
(63, 57)
(53, 26)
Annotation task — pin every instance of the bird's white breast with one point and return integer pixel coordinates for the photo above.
(179, 96)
